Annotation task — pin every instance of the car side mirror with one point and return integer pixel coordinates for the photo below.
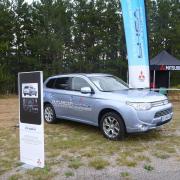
(86, 90)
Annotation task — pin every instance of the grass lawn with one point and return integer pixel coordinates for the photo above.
(71, 147)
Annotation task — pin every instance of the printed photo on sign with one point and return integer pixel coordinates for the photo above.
(30, 90)
(30, 105)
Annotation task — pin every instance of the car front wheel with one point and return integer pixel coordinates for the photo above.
(112, 126)
(49, 114)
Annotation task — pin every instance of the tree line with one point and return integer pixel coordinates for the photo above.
(64, 36)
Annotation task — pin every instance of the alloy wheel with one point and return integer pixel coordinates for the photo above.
(48, 114)
(111, 127)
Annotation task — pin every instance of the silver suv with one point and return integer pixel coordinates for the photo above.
(106, 101)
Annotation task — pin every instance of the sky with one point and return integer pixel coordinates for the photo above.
(29, 1)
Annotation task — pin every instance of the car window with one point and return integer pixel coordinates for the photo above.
(63, 83)
(50, 83)
(78, 83)
(109, 83)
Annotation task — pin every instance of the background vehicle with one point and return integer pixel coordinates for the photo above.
(106, 101)
(29, 90)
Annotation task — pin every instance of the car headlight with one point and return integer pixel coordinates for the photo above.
(140, 106)
(166, 101)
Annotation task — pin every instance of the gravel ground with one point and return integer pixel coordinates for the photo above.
(165, 169)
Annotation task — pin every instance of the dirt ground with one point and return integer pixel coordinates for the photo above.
(9, 112)
(76, 151)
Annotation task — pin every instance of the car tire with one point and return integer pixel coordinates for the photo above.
(112, 126)
(49, 114)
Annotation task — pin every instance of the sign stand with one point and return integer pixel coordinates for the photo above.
(31, 123)
(27, 166)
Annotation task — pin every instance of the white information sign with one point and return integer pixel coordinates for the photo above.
(31, 118)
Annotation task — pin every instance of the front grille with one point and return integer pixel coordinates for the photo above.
(161, 123)
(163, 113)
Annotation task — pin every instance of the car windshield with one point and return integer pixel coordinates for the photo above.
(108, 83)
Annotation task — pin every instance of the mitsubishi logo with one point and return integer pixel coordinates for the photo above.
(39, 162)
(141, 76)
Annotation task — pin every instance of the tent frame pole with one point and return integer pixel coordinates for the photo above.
(169, 84)
(154, 79)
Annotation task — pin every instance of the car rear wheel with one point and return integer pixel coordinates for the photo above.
(49, 114)
(112, 126)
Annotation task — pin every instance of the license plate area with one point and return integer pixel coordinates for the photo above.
(166, 117)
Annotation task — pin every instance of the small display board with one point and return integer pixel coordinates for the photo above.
(31, 118)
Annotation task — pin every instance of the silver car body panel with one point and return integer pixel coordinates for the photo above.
(86, 108)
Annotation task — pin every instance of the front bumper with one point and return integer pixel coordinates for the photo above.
(26, 92)
(142, 121)
(143, 127)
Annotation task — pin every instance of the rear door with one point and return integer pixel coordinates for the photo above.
(62, 101)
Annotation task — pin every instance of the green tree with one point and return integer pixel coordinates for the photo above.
(97, 35)
(6, 40)
(51, 39)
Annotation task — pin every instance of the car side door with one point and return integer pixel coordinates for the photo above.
(60, 97)
(83, 103)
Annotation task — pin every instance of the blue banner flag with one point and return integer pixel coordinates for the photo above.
(136, 41)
